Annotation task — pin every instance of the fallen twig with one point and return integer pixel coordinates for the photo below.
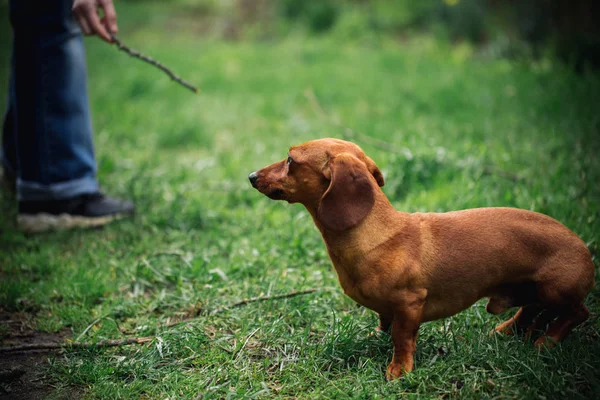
(152, 61)
(77, 345)
(264, 298)
(137, 340)
(247, 301)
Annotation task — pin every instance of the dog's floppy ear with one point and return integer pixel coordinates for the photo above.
(350, 196)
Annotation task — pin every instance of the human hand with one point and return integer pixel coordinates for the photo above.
(87, 14)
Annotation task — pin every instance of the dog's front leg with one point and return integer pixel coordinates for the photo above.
(405, 327)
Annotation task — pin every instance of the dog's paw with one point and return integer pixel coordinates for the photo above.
(506, 328)
(394, 371)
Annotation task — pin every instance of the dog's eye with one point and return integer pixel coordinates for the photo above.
(289, 160)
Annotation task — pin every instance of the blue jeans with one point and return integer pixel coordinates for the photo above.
(47, 134)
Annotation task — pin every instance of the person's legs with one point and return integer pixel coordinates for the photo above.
(47, 131)
(54, 135)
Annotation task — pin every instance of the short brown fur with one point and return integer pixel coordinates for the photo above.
(413, 268)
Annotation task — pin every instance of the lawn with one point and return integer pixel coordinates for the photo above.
(449, 126)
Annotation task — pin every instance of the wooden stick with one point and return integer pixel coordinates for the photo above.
(152, 61)
(248, 301)
(76, 345)
(264, 298)
(137, 340)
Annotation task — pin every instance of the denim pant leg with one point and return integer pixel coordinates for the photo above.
(49, 104)
(8, 151)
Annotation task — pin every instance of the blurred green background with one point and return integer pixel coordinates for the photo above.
(514, 29)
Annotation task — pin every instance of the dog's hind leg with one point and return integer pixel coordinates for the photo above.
(568, 319)
(540, 323)
(522, 319)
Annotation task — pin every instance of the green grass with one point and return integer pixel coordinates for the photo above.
(467, 131)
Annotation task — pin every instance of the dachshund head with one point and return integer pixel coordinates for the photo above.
(332, 178)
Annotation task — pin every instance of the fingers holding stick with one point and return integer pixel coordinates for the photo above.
(86, 13)
(110, 16)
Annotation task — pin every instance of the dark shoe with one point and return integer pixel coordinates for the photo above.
(85, 211)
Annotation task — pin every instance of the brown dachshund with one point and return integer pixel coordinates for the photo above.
(413, 268)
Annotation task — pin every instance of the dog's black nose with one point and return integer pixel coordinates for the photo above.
(253, 178)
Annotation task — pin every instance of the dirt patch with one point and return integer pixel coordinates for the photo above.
(24, 375)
